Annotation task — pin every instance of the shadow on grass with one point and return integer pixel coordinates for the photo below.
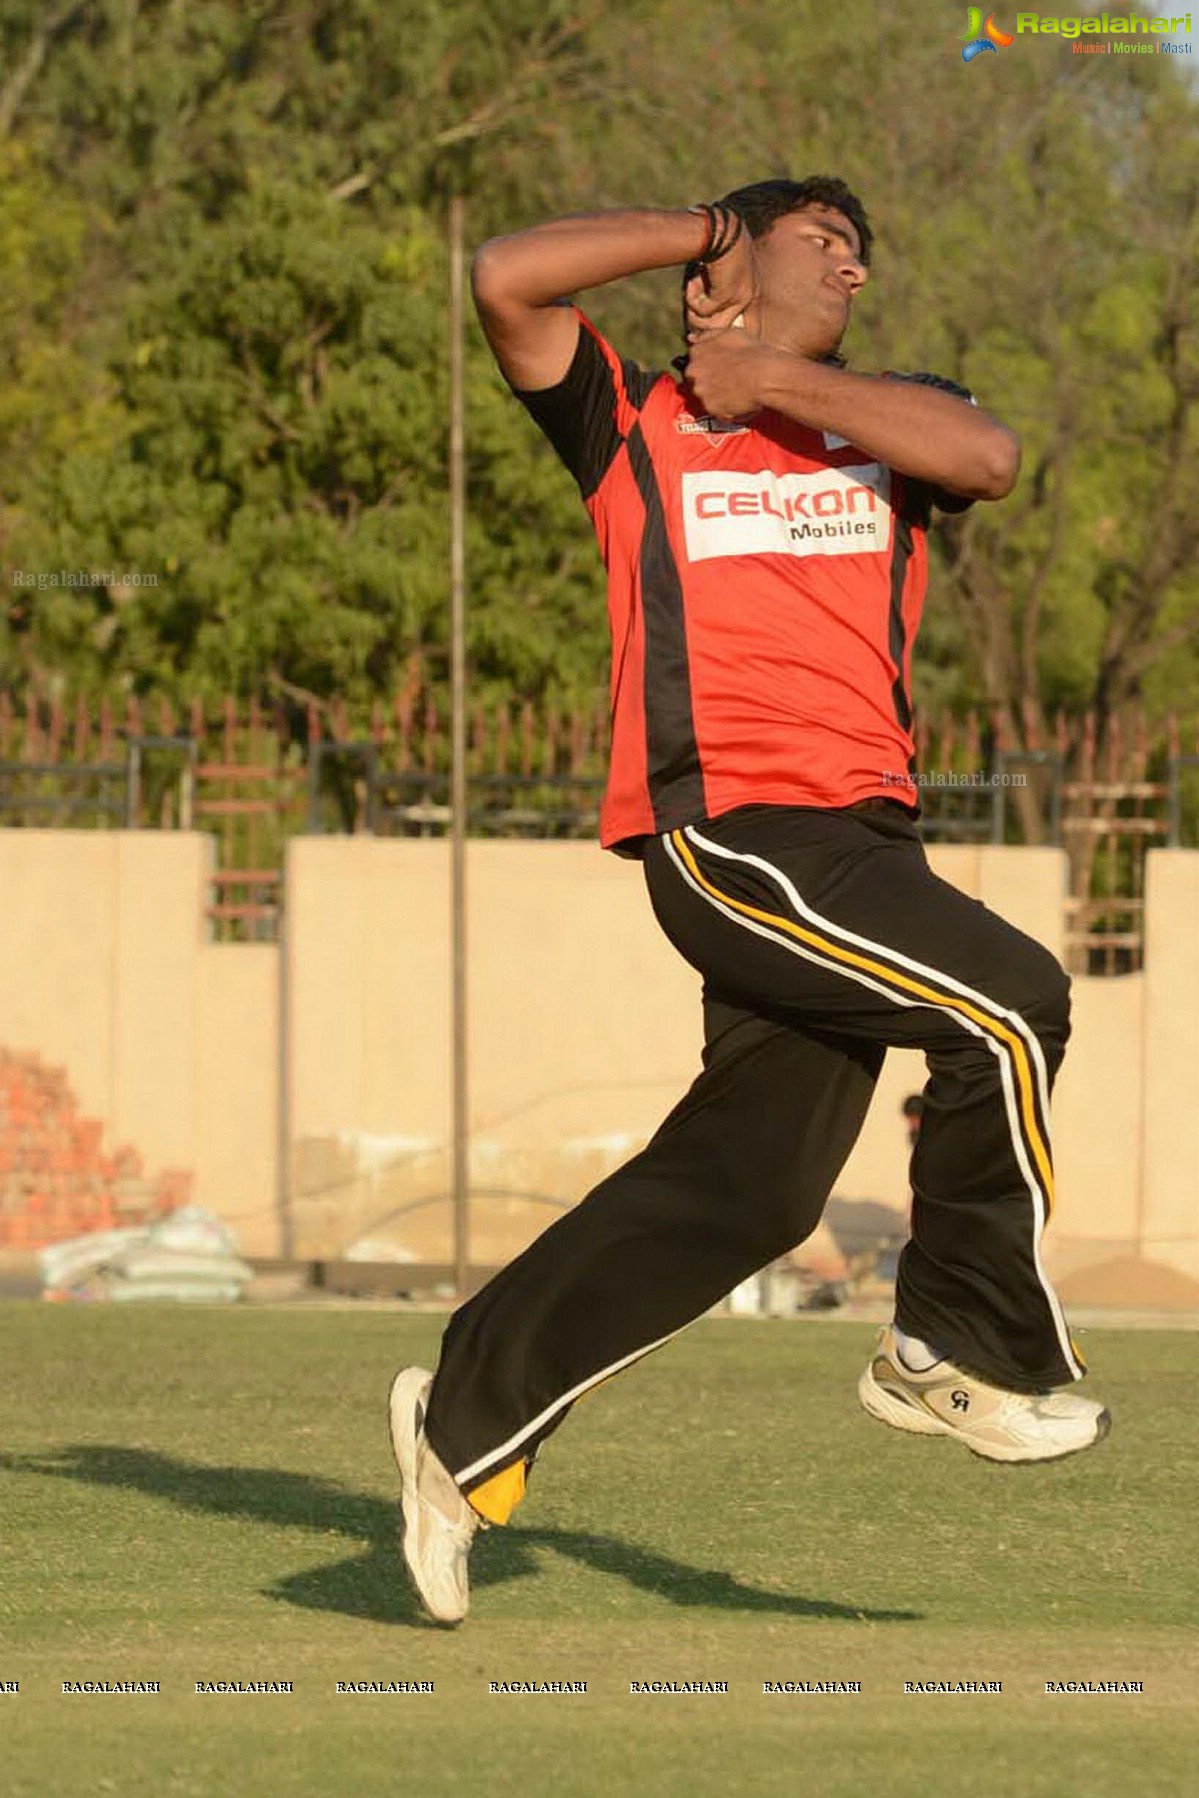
(370, 1583)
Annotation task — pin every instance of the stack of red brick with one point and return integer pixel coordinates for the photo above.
(56, 1181)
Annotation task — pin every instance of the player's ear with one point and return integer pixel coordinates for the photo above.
(692, 272)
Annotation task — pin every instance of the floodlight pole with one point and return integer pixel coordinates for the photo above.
(458, 1027)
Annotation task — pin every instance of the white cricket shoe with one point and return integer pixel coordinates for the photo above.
(1002, 1426)
(437, 1525)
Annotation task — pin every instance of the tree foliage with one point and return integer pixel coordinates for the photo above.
(223, 328)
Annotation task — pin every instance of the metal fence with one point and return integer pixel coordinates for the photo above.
(253, 774)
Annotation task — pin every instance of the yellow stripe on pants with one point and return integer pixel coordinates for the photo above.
(993, 1026)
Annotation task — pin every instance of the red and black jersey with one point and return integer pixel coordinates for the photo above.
(765, 583)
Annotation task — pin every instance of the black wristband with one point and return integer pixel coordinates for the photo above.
(725, 226)
(731, 225)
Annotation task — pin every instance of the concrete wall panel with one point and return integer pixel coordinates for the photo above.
(1171, 1050)
(585, 1029)
(159, 914)
(237, 1090)
(1097, 1120)
(58, 953)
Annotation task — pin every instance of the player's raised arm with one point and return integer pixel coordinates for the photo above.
(935, 436)
(520, 281)
(917, 429)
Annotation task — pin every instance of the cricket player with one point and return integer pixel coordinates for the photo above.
(763, 520)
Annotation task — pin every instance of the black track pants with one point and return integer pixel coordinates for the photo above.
(823, 937)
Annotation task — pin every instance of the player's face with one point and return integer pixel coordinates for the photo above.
(810, 267)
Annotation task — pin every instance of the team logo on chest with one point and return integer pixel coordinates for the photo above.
(707, 426)
(827, 512)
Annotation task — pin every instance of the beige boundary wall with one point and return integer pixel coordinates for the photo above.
(170, 1040)
(325, 1093)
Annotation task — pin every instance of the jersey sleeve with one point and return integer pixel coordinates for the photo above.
(591, 411)
(924, 495)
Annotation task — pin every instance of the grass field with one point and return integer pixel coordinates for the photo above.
(189, 1496)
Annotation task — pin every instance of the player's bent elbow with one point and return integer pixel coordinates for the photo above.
(1002, 465)
(500, 285)
(502, 281)
(533, 340)
(486, 277)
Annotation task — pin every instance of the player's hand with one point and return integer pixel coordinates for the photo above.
(727, 373)
(720, 293)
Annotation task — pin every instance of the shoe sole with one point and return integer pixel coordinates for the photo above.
(887, 1407)
(409, 1389)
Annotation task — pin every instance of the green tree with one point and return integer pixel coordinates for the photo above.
(224, 328)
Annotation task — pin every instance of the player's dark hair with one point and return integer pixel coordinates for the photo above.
(763, 203)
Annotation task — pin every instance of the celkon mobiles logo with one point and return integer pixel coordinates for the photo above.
(983, 37)
(830, 512)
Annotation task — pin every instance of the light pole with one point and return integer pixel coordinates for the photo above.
(458, 1026)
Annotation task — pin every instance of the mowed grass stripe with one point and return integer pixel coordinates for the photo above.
(193, 1495)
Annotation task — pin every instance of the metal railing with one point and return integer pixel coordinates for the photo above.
(254, 776)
